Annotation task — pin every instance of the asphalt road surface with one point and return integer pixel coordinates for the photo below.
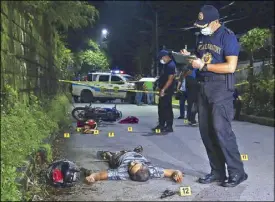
(182, 149)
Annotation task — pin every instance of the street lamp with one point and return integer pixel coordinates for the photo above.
(104, 32)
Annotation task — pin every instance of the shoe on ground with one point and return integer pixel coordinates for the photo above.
(158, 127)
(138, 149)
(192, 123)
(235, 180)
(168, 130)
(181, 117)
(209, 178)
(101, 155)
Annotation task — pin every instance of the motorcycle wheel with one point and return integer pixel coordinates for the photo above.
(78, 114)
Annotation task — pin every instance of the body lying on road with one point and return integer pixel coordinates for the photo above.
(130, 165)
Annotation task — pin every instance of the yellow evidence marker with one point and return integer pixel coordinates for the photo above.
(157, 130)
(130, 129)
(111, 134)
(185, 191)
(244, 157)
(185, 121)
(96, 132)
(66, 135)
(78, 129)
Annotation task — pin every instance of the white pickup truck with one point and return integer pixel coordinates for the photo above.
(104, 86)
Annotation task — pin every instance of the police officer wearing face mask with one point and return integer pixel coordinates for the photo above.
(166, 84)
(217, 51)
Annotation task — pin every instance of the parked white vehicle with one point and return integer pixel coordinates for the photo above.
(104, 86)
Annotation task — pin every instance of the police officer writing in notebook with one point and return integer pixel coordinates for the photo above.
(217, 51)
(166, 84)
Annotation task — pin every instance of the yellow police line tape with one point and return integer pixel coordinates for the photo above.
(116, 89)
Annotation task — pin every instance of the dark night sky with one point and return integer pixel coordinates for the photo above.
(120, 18)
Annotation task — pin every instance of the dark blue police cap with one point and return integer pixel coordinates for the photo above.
(162, 53)
(207, 14)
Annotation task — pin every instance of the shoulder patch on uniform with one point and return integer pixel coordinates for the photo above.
(229, 31)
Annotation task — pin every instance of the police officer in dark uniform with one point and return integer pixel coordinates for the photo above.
(217, 51)
(166, 85)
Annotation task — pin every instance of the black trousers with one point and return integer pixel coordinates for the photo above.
(165, 110)
(215, 107)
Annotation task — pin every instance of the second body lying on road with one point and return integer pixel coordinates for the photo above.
(130, 165)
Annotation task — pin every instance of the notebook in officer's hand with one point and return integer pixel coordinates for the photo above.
(183, 59)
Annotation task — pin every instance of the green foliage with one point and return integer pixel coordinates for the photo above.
(255, 39)
(49, 153)
(63, 14)
(260, 101)
(22, 130)
(93, 57)
(63, 58)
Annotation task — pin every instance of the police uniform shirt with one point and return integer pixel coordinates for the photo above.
(169, 69)
(214, 48)
(121, 173)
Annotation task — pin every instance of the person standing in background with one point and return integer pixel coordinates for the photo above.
(192, 89)
(237, 102)
(181, 89)
(148, 86)
(140, 89)
(166, 83)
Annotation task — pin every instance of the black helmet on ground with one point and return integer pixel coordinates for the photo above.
(63, 173)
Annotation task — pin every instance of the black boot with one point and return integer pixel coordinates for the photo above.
(212, 177)
(168, 129)
(235, 180)
(158, 127)
(138, 149)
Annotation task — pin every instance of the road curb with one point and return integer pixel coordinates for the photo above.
(258, 120)
(249, 118)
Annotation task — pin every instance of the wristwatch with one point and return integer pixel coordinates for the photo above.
(204, 68)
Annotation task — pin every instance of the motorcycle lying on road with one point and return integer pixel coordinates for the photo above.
(96, 113)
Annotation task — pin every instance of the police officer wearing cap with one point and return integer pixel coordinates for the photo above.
(217, 56)
(166, 84)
